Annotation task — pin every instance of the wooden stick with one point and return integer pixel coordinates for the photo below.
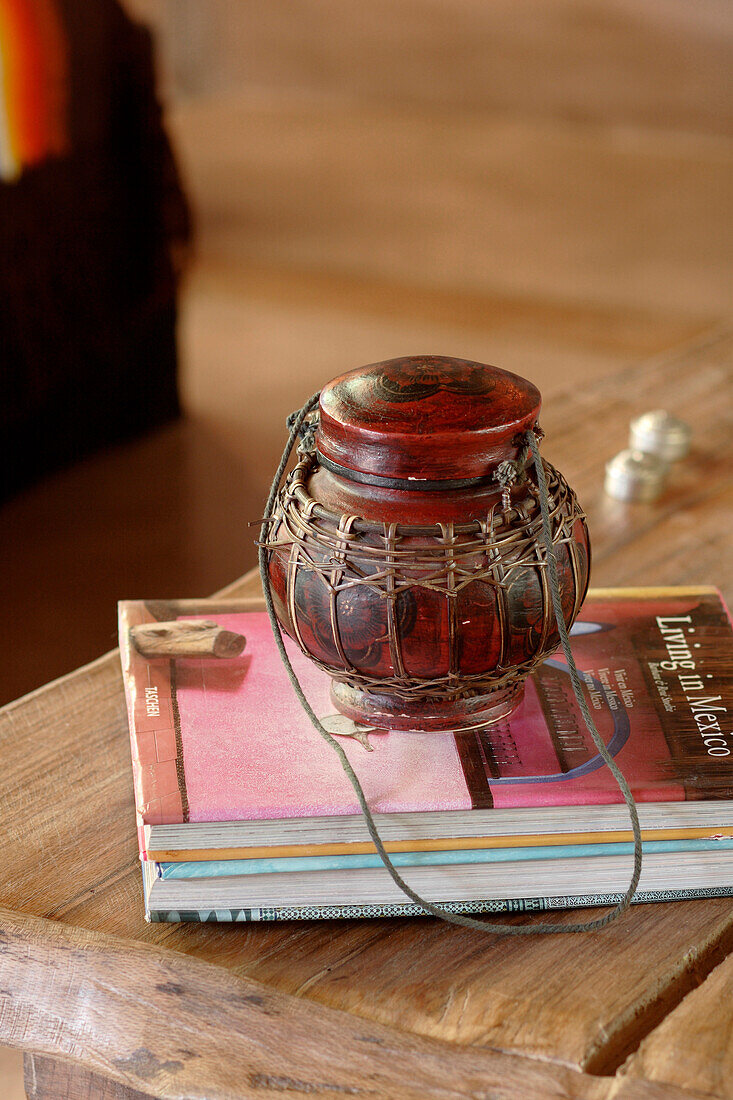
(186, 638)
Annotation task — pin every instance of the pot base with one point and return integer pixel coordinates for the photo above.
(391, 712)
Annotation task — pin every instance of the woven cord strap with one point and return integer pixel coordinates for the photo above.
(295, 424)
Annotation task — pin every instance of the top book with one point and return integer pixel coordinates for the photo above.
(224, 740)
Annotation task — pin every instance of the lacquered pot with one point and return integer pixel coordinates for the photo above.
(405, 553)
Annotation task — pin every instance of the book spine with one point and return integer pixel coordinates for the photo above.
(352, 912)
(157, 762)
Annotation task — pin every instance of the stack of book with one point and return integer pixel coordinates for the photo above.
(245, 813)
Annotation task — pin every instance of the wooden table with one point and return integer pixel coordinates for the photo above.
(108, 1006)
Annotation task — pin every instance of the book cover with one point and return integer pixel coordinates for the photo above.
(407, 909)
(225, 739)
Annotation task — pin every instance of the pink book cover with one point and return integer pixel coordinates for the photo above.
(225, 739)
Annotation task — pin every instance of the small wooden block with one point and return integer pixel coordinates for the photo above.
(186, 638)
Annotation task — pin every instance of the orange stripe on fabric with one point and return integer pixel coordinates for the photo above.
(54, 45)
(26, 106)
(10, 69)
(35, 66)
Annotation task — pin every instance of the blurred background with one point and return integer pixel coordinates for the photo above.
(541, 184)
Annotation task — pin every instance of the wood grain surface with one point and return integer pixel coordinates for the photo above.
(592, 62)
(174, 1027)
(476, 202)
(693, 1046)
(584, 1002)
(52, 1079)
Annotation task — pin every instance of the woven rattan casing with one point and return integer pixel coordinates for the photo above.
(423, 627)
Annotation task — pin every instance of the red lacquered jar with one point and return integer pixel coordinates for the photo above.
(405, 551)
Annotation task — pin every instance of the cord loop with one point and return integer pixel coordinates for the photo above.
(295, 424)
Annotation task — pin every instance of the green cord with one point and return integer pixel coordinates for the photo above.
(436, 910)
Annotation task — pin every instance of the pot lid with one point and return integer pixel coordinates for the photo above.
(424, 419)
